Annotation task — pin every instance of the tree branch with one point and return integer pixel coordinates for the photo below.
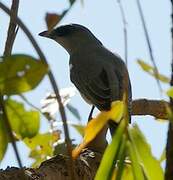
(56, 168)
(54, 86)
(156, 108)
(12, 29)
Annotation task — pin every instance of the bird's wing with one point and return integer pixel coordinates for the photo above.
(100, 90)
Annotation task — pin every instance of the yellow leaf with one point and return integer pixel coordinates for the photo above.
(116, 112)
(170, 92)
(127, 173)
(162, 78)
(146, 67)
(152, 71)
(96, 124)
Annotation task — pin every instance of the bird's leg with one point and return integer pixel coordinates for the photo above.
(90, 114)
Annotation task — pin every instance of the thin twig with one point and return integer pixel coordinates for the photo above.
(12, 32)
(169, 145)
(149, 44)
(35, 107)
(54, 86)
(29, 103)
(125, 31)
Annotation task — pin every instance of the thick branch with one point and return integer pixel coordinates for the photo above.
(156, 108)
(56, 168)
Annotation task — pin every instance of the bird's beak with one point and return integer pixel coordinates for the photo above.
(45, 34)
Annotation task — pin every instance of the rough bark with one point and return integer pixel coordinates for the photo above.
(155, 108)
(56, 168)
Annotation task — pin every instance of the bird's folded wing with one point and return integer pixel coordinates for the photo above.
(98, 88)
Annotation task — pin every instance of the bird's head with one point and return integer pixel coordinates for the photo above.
(72, 37)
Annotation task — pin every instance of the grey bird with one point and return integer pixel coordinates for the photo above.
(100, 76)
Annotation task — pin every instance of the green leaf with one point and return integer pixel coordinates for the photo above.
(41, 145)
(24, 74)
(121, 159)
(38, 157)
(109, 159)
(145, 157)
(152, 71)
(136, 168)
(79, 128)
(3, 138)
(74, 111)
(42, 140)
(163, 156)
(24, 123)
(146, 67)
(127, 172)
(170, 92)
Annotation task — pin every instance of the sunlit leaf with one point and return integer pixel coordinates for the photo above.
(152, 71)
(79, 128)
(146, 67)
(163, 156)
(110, 156)
(38, 161)
(52, 20)
(127, 173)
(136, 166)
(24, 123)
(3, 138)
(24, 74)
(41, 146)
(41, 140)
(96, 124)
(170, 92)
(145, 157)
(121, 159)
